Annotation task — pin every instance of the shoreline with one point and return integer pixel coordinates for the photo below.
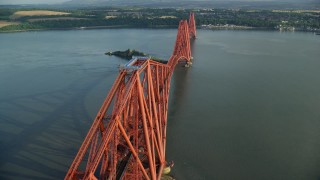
(91, 27)
(246, 28)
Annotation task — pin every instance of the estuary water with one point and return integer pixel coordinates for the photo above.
(248, 108)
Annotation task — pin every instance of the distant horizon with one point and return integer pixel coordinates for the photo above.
(23, 2)
(35, 2)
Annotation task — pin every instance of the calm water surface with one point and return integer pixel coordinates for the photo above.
(247, 109)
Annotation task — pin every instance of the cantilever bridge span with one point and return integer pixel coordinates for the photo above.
(127, 139)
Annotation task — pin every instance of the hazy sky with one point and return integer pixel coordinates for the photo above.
(59, 1)
(31, 1)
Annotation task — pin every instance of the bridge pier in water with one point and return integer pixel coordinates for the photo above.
(127, 139)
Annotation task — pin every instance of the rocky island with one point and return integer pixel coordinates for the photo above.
(128, 54)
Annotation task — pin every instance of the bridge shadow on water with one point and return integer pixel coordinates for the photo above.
(179, 86)
(41, 133)
(178, 91)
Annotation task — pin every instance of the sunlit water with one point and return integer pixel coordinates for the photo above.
(247, 109)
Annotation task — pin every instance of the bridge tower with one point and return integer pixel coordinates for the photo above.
(127, 139)
(192, 26)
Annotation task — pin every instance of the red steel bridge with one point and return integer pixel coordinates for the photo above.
(127, 139)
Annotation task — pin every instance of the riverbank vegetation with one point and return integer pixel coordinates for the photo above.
(37, 19)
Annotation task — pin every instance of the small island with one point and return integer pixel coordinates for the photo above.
(128, 54)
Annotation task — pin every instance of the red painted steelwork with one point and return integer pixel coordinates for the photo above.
(127, 139)
(192, 26)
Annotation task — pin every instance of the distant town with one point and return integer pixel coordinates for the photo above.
(26, 19)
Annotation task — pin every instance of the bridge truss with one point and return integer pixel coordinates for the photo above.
(127, 139)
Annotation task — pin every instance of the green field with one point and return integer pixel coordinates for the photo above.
(38, 19)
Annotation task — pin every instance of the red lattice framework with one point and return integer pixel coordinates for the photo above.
(192, 26)
(127, 139)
